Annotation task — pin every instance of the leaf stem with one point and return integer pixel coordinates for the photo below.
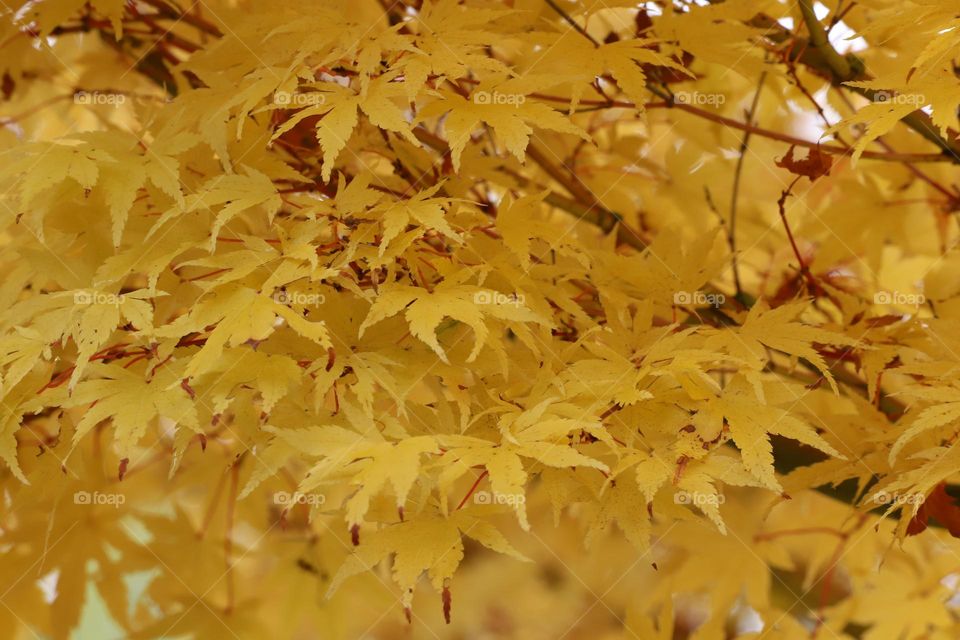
(473, 488)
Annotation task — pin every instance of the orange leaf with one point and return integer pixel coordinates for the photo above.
(941, 507)
(816, 164)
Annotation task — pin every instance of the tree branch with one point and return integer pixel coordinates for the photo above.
(732, 230)
(839, 65)
(820, 56)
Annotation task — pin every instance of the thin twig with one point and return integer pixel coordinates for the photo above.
(573, 23)
(732, 233)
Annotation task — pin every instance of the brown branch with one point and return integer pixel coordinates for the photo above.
(575, 187)
(820, 56)
(573, 23)
(781, 137)
(228, 536)
(585, 208)
(753, 129)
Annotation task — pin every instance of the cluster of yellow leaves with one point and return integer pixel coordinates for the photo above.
(320, 270)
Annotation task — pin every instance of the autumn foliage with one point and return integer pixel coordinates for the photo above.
(523, 319)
